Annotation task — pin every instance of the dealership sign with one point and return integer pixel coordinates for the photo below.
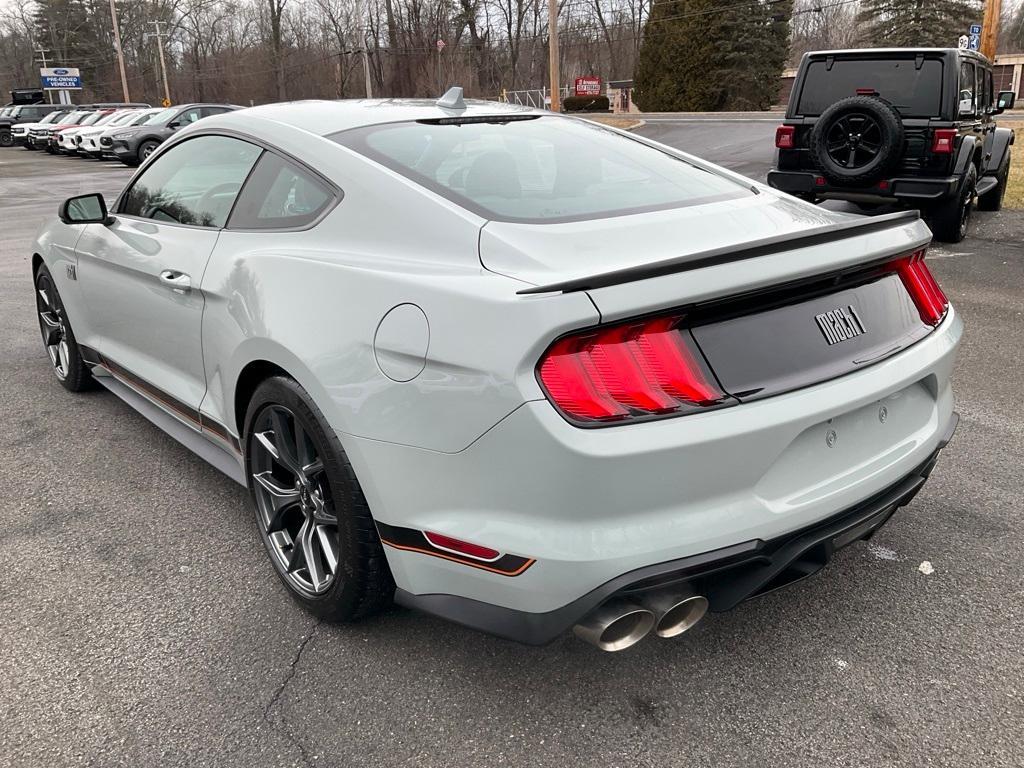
(61, 78)
(588, 86)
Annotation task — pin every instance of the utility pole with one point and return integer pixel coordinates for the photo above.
(120, 52)
(159, 35)
(552, 54)
(990, 29)
(43, 62)
(366, 70)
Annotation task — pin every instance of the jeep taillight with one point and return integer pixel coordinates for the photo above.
(785, 137)
(943, 140)
(928, 297)
(627, 371)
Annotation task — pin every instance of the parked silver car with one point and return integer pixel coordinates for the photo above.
(511, 368)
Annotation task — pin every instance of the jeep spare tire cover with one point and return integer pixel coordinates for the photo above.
(857, 140)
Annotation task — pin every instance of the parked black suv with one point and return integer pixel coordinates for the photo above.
(133, 145)
(908, 125)
(24, 113)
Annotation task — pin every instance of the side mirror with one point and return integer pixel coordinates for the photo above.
(174, 125)
(84, 209)
(1005, 100)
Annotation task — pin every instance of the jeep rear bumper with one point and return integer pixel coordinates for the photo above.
(885, 191)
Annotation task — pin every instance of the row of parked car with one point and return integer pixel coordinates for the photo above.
(129, 132)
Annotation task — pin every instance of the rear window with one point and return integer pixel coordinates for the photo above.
(539, 170)
(914, 92)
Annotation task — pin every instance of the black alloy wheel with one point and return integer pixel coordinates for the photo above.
(310, 510)
(854, 140)
(295, 511)
(58, 338)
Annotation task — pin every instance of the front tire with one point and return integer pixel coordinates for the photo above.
(949, 219)
(146, 149)
(6, 139)
(310, 510)
(58, 337)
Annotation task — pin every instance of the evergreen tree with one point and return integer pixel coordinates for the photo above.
(915, 23)
(703, 55)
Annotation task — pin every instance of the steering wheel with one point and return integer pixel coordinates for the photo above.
(220, 189)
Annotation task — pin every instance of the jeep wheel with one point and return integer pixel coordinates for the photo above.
(993, 199)
(950, 218)
(6, 139)
(856, 140)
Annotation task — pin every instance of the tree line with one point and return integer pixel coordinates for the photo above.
(684, 54)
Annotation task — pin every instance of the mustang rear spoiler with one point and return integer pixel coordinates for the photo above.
(765, 247)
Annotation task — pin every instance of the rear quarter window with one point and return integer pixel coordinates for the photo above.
(915, 92)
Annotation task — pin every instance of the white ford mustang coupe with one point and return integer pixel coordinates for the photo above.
(510, 368)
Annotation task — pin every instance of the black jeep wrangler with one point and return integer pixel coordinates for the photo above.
(906, 125)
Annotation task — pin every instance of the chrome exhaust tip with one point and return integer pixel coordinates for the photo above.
(615, 626)
(676, 611)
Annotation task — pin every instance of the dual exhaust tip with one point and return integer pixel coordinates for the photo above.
(620, 623)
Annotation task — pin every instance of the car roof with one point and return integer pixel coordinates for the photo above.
(324, 117)
(889, 51)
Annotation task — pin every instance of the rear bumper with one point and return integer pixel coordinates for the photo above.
(726, 576)
(894, 189)
(586, 506)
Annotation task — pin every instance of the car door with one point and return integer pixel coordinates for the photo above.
(140, 274)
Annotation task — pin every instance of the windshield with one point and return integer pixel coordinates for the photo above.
(93, 118)
(915, 92)
(53, 117)
(539, 170)
(74, 118)
(141, 118)
(162, 117)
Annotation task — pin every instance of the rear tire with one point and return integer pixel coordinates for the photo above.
(950, 218)
(993, 199)
(310, 510)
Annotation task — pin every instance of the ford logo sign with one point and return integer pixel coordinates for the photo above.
(60, 71)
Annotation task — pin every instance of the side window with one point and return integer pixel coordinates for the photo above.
(187, 117)
(280, 195)
(195, 182)
(207, 111)
(967, 86)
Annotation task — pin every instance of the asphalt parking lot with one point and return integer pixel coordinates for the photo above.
(142, 625)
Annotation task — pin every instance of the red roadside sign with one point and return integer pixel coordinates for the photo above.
(588, 86)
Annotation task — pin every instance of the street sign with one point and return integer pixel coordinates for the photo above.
(975, 42)
(975, 29)
(166, 102)
(588, 86)
(61, 78)
(440, 45)
(963, 42)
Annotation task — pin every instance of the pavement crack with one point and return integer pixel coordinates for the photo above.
(281, 725)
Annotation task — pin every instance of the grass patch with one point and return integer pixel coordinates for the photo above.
(1015, 187)
(616, 121)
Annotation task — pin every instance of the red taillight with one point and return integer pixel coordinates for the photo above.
(460, 547)
(630, 370)
(931, 302)
(785, 137)
(943, 140)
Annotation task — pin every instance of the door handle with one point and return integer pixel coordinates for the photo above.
(178, 281)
